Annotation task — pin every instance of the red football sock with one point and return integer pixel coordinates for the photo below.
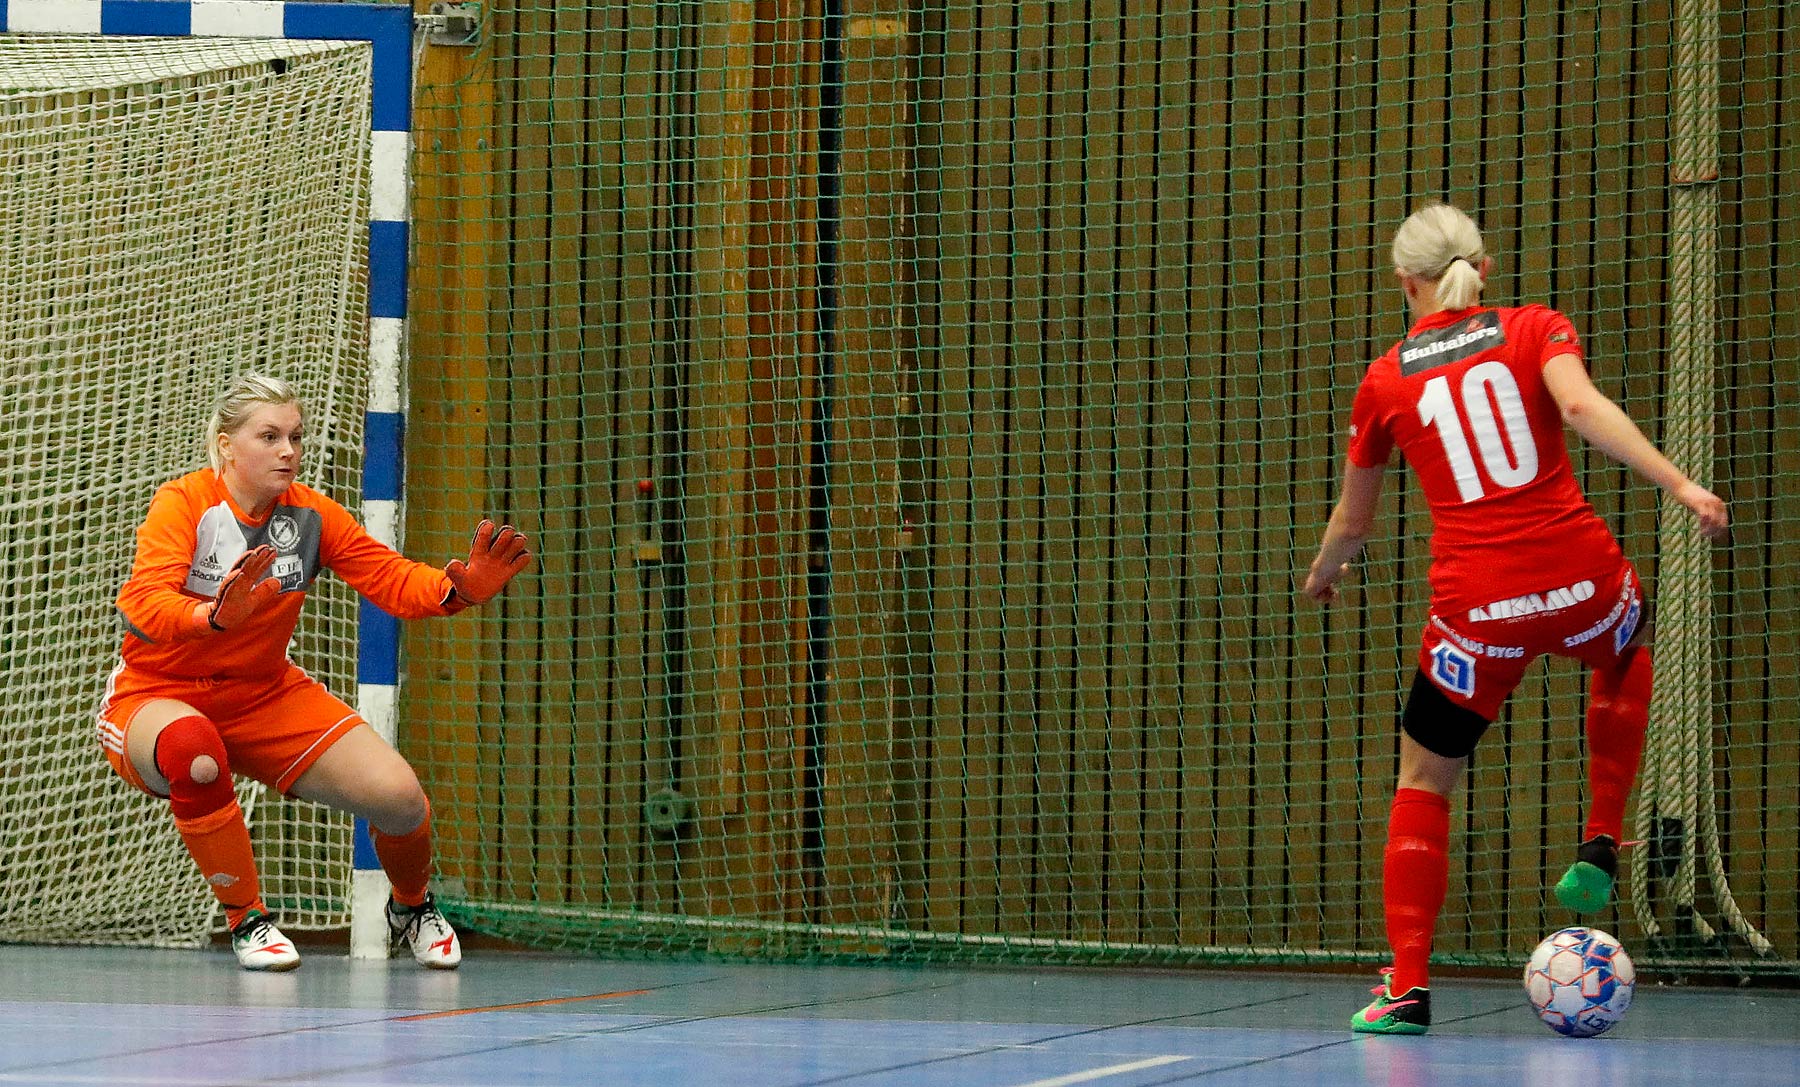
(1618, 714)
(407, 859)
(1416, 872)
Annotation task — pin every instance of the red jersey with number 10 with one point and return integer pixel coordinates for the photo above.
(1463, 396)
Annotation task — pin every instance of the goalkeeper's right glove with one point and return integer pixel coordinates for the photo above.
(244, 590)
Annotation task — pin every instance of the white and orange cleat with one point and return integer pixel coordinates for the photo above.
(423, 929)
(261, 946)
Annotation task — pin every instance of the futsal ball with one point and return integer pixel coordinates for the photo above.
(1580, 981)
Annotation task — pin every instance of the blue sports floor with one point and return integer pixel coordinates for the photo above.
(192, 1019)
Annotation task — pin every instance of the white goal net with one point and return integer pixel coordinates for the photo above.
(176, 211)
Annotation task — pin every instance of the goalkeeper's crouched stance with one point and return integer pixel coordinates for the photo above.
(204, 690)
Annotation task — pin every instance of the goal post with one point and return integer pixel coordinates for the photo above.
(198, 188)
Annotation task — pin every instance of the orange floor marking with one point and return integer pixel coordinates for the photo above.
(515, 1007)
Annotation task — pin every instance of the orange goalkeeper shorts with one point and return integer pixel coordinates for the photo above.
(274, 729)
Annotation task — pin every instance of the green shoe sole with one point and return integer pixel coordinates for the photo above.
(1409, 1013)
(1384, 1025)
(1584, 888)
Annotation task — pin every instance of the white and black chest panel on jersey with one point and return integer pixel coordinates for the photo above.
(1455, 342)
(220, 539)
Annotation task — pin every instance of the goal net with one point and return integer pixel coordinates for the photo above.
(179, 211)
(927, 412)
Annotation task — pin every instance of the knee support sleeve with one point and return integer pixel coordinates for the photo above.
(181, 742)
(1439, 725)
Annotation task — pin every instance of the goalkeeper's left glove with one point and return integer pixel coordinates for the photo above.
(495, 557)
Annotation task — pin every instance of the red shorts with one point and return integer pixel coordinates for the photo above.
(274, 729)
(1476, 657)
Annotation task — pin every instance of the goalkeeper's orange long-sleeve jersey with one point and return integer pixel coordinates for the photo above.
(188, 542)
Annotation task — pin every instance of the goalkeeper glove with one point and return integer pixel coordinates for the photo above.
(244, 590)
(495, 556)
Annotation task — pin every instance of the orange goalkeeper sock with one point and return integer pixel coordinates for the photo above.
(407, 859)
(219, 842)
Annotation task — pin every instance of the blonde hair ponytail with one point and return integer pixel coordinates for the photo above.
(1439, 242)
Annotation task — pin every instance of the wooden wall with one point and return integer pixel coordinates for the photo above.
(981, 472)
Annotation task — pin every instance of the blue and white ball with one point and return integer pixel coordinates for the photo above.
(1580, 981)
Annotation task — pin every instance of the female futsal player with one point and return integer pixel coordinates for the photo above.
(205, 688)
(1476, 397)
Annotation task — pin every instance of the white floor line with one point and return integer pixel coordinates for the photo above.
(1102, 1073)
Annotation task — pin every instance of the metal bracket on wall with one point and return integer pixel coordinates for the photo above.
(450, 22)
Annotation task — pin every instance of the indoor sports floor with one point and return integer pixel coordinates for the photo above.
(132, 1017)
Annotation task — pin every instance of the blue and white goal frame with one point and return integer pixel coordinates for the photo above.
(388, 28)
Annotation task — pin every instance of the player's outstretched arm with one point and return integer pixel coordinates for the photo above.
(1352, 521)
(1593, 415)
(496, 556)
(245, 589)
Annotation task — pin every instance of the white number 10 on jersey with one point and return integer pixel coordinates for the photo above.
(1485, 387)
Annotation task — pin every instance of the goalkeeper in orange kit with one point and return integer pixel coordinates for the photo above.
(205, 688)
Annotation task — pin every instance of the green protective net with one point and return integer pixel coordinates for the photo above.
(923, 414)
